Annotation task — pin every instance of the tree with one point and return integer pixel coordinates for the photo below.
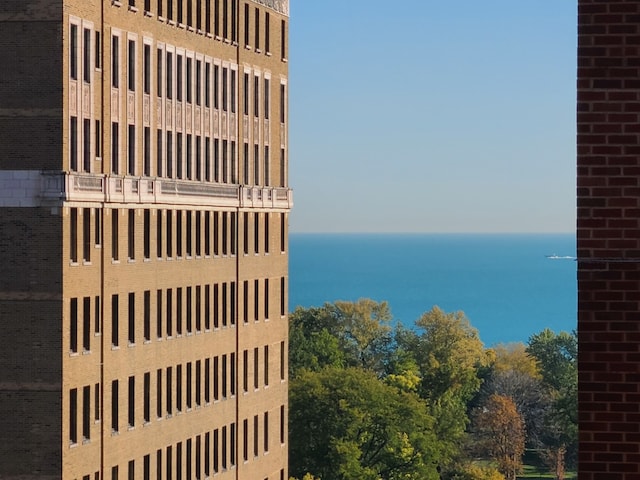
(557, 357)
(501, 434)
(514, 357)
(346, 424)
(449, 356)
(341, 334)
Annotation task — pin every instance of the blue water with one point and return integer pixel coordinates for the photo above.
(504, 283)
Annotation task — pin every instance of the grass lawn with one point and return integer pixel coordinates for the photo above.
(531, 472)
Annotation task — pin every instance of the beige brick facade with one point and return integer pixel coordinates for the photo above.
(144, 205)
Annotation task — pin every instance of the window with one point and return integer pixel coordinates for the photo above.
(97, 136)
(266, 298)
(245, 371)
(87, 56)
(266, 365)
(147, 316)
(265, 431)
(73, 235)
(282, 424)
(198, 82)
(216, 307)
(160, 8)
(147, 234)
(146, 461)
(190, 13)
(283, 359)
(216, 379)
(232, 375)
(283, 232)
(159, 169)
(189, 160)
(131, 411)
(132, 318)
(179, 388)
(189, 385)
(131, 158)
(198, 215)
(131, 72)
(198, 382)
(225, 19)
(245, 300)
(189, 311)
(267, 26)
(86, 145)
(255, 435)
(266, 232)
(245, 440)
(159, 221)
(73, 326)
(115, 146)
(207, 233)
(115, 61)
(283, 104)
(158, 464)
(283, 39)
(233, 91)
(256, 96)
(246, 25)
(179, 77)
(225, 89)
(189, 80)
(146, 167)
(224, 304)
(267, 97)
(159, 70)
(96, 402)
(224, 448)
(159, 313)
(216, 450)
(257, 29)
(198, 308)
(169, 172)
(147, 397)
(169, 312)
(216, 160)
(73, 52)
(73, 143)
(159, 393)
(255, 368)
(232, 444)
(73, 415)
(256, 299)
(170, 10)
(216, 86)
(131, 235)
(207, 380)
(132, 464)
(179, 311)
(86, 413)
(114, 406)
(97, 315)
(98, 51)
(169, 76)
(179, 167)
(199, 27)
(207, 16)
(224, 376)
(179, 11)
(283, 305)
(115, 341)
(169, 387)
(114, 473)
(86, 324)
(234, 15)
(146, 74)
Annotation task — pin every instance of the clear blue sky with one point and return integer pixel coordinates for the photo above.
(432, 116)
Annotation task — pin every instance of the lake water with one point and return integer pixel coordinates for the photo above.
(506, 284)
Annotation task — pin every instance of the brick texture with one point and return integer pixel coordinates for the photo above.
(608, 190)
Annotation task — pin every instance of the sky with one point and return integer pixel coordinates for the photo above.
(432, 116)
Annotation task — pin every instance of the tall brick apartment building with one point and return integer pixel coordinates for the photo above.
(143, 239)
(609, 238)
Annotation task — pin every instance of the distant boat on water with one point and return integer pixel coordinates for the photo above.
(560, 257)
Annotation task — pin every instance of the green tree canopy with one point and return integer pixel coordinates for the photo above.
(346, 424)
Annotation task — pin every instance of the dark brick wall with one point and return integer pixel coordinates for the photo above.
(609, 238)
(30, 343)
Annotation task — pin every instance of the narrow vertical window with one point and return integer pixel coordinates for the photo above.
(114, 406)
(73, 326)
(159, 160)
(159, 328)
(189, 80)
(207, 233)
(266, 365)
(73, 52)
(267, 27)
(267, 98)
(159, 234)
(233, 97)
(146, 74)
(245, 371)
(216, 307)
(73, 415)
(266, 298)
(179, 311)
(283, 39)
(207, 381)
(234, 21)
(179, 388)
(216, 379)
(256, 300)
(73, 144)
(132, 66)
(189, 385)
(86, 145)
(98, 51)
(86, 324)
(131, 157)
(207, 16)
(256, 372)
(198, 308)
(131, 235)
(160, 8)
(147, 315)
(147, 397)
(224, 376)
(265, 431)
(169, 217)
(146, 461)
(115, 314)
(96, 315)
(255, 435)
(245, 301)
(97, 137)
(86, 413)
(199, 25)
(283, 232)
(282, 424)
(256, 96)
(169, 171)
(146, 159)
(132, 318)
(96, 402)
(131, 411)
(179, 78)
(131, 470)
(246, 25)
(73, 235)
(283, 359)
(216, 86)
(225, 89)
(169, 390)
(190, 13)
(245, 440)
(115, 62)
(256, 27)
(225, 19)
(147, 234)
(198, 82)
(198, 233)
(283, 305)
(267, 219)
(169, 76)
(159, 72)
(216, 18)
(198, 382)
(159, 393)
(115, 148)
(87, 56)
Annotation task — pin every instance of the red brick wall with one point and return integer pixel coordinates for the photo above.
(609, 238)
